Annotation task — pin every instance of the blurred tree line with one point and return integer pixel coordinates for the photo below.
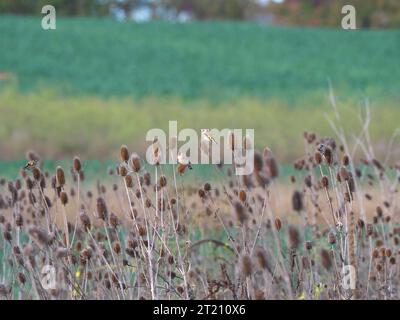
(201, 9)
(370, 13)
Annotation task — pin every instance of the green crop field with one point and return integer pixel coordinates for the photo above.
(213, 59)
(93, 84)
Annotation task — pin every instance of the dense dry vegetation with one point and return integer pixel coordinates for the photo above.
(152, 235)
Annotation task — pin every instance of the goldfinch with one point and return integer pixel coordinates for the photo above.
(205, 133)
(31, 164)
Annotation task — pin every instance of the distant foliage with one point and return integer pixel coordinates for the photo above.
(370, 13)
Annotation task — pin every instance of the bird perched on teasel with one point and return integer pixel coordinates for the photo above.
(183, 163)
(31, 164)
(183, 159)
(205, 134)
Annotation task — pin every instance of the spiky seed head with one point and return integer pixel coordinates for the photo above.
(242, 195)
(331, 238)
(297, 201)
(271, 164)
(325, 182)
(293, 237)
(101, 208)
(246, 266)
(60, 177)
(19, 220)
(77, 164)
(240, 212)
(122, 170)
(318, 158)
(325, 259)
(278, 224)
(36, 173)
(63, 198)
(114, 222)
(262, 259)
(124, 153)
(128, 181)
(346, 160)
(258, 161)
(135, 162)
(162, 181)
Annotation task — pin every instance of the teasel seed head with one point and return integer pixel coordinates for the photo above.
(258, 161)
(122, 170)
(297, 201)
(379, 211)
(64, 198)
(271, 164)
(128, 181)
(246, 266)
(325, 182)
(305, 262)
(135, 162)
(318, 158)
(370, 229)
(344, 174)
(294, 237)
(278, 224)
(101, 209)
(346, 160)
(36, 173)
(42, 182)
(117, 248)
(242, 195)
(240, 212)
(347, 197)
(124, 153)
(29, 183)
(114, 221)
(202, 194)
(21, 278)
(148, 203)
(207, 187)
(262, 259)
(77, 164)
(162, 181)
(147, 178)
(19, 220)
(326, 259)
(7, 236)
(60, 177)
(328, 156)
